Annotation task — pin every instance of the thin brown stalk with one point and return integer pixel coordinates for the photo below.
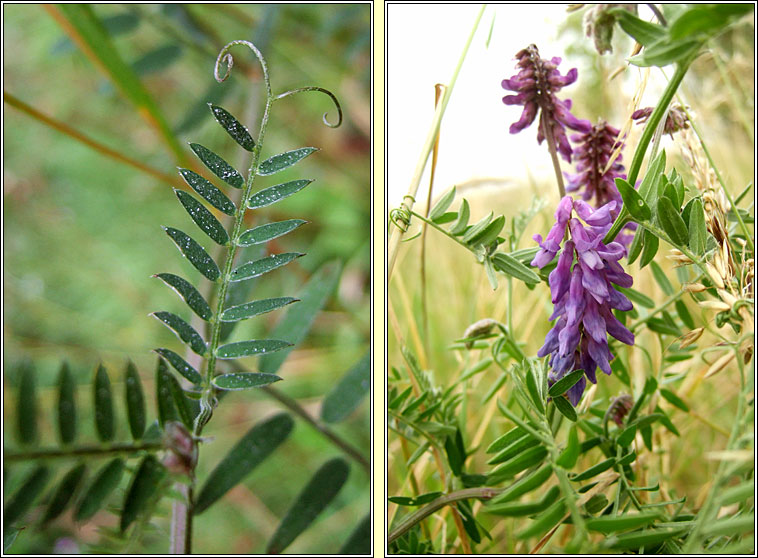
(438, 90)
(86, 140)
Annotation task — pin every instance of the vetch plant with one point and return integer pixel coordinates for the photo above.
(170, 449)
(573, 466)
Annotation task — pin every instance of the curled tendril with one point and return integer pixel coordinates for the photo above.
(401, 216)
(325, 92)
(225, 58)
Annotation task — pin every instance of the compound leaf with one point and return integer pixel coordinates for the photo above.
(233, 127)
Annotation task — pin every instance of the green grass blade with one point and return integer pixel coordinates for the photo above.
(87, 31)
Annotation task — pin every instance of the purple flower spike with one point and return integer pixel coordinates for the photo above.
(536, 84)
(595, 177)
(582, 289)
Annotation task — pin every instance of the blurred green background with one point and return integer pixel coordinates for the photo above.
(82, 230)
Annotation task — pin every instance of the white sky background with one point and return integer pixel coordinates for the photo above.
(424, 45)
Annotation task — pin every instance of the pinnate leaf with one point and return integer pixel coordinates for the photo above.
(284, 160)
(143, 488)
(251, 348)
(318, 493)
(233, 127)
(255, 308)
(195, 253)
(264, 265)
(269, 231)
(105, 482)
(208, 191)
(276, 193)
(181, 366)
(244, 380)
(135, 401)
(203, 218)
(218, 166)
(511, 266)
(347, 394)
(183, 331)
(104, 422)
(247, 454)
(66, 405)
(190, 294)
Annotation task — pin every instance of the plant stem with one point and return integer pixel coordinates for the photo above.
(407, 205)
(647, 134)
(548, 132)
(405, 525)
(295, 407)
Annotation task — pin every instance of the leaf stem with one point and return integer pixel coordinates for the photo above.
(405, 524)
(83, 451)
(548, 132)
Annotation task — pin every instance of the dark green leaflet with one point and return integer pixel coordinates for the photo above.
(264, 265)
(284, 160)
(218, 166)
(207, 190)
(183, 330)
(203, 218)
(276, 193)
(237, 131)
(189, 293)
(269, 231)
(195, 253)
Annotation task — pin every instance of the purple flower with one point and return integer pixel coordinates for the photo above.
(595, 176)
(582, 290)
(536, 84)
